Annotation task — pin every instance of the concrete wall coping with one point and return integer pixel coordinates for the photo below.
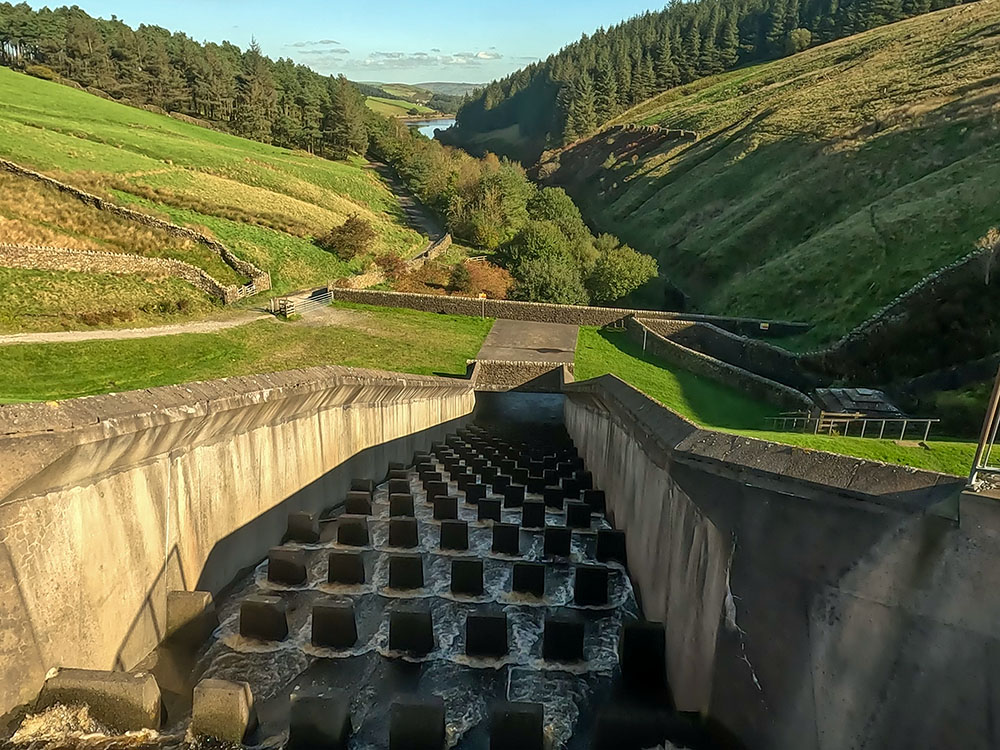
(892, 487)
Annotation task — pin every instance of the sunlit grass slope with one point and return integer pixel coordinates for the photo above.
(824, 184)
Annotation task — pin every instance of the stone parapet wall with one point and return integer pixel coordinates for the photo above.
(544, 312)
(508, 375)
(260, 279)
(109, 502)
(699, 363)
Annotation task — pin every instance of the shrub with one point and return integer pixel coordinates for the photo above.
(42, 71)
(798, 40)
(459, 281)
(549, 279)
(392, 266)
(619, 271)
(352, 238)
(495, 282)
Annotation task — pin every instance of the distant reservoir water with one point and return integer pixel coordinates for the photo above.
(427, 127)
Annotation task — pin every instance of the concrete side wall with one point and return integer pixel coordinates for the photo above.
(118, 499)
(854, 613)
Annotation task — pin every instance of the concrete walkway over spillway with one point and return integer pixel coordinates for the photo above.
(524, 341)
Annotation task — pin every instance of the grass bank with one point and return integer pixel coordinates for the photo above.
(710, 404)
(358, 336)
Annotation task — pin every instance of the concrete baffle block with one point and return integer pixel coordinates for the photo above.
(406, 571)
(358, 503)
(431, 476)
(528, 578)
(264, 618)
(586, 480)
(519, 476)
(425, 467)
(223, 710)
(486, 635)
(489, 509)
(590, 585)
(562, 639)
(191, 616)
(571, 488)
(363, 485)
(551, 477)
(577, 514)
(475, 493)
(411, 631)
(445, 507)
(507, 465)
(352, 531)
(286, 566)
(479, 465)
(454, 534)
(399, 486)
(120, 700)
(302, 527)
(635, 724)
(417, 724)
(319, 720)
(489, 474)
(396, 466)
(436, 489)
(596, 500)
(554, 497)
(333, 623)
(507, 538)
(501, 483)
(422, 457)
(533, 514)
(517, 726)
(398, 474)
(401, 504)
(642, 654)
(346, 568)
(403, 532)
(467, 576)
(550, 462)
(536, 485)
(557, 541)
(513, 495)
(565, 469)
(611, 546)
(463, 480)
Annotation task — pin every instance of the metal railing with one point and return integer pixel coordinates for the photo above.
(981, 464)
(839, 423)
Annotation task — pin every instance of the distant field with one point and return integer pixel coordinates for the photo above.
(273, 200)
(376, 337)
(395, 107)
(713, 405)
(824, 184)
(411, 92)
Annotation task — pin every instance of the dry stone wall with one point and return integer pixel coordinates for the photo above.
(260, 279)
(717, 370)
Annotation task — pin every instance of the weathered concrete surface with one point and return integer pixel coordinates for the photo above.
(810, 600)
(527, 341)
(508, 375)
(109, 502)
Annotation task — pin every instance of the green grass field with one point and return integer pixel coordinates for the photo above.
(396, 107)
(710, 404)
(824, 184)
(373, 337)
(168, 166)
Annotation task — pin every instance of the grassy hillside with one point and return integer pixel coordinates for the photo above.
(396, 107)
(450, 89)
(351, 335)
(267, 202)
(821, 185)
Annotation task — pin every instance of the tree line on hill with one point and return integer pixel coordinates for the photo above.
(591, 81)
(275, 101)
(536, 233)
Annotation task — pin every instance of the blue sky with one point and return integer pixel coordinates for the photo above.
(385, 40)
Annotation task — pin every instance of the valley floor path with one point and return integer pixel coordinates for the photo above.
(115, 334)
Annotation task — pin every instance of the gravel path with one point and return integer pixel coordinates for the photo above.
(117, 334)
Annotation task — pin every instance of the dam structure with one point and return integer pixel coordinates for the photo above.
(348, 558)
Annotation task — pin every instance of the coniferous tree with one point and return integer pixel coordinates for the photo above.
(255, 98)
(606, 94)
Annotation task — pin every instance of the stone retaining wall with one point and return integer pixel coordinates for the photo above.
(109, 502)
(374, 275)
(757, 357)
(86, 261)
(548, 313)
(260, 279)
(699, 363)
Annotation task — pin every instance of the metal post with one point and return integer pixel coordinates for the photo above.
(881, 431)
(644, 332)
(864, 423)
(927, 431)
(902, 431)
